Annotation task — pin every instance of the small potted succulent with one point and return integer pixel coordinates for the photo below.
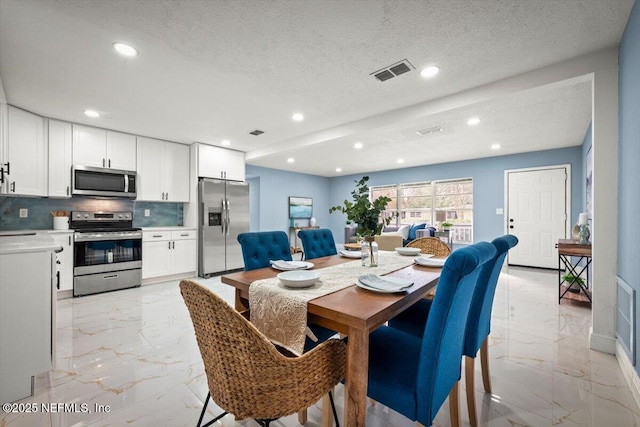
(446, 226)
(574, 283)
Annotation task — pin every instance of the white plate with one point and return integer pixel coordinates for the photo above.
(408, 251)
(298, 278)
(291, 265)
(381, 291)
(351, 254)
(430, 262)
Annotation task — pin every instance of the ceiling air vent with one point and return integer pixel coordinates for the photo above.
(256, 132)
(429, 131)
(393, 70)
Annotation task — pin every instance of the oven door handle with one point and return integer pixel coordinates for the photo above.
(133, 236)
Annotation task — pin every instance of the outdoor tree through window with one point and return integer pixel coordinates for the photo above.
(433, 202)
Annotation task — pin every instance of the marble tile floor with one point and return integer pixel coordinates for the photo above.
(130, 358)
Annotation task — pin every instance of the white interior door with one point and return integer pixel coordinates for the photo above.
(537, 215)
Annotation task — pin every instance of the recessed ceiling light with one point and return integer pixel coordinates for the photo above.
(226, 142)
(429, 71)
(357, 145)
(400, 160)
(473, 121)
(291, 160)
(91, 113)
(338, 169)
(125, 50)
(297, 117)
(495, 146)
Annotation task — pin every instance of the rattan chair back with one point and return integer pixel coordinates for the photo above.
(430, 245)
(246, 374)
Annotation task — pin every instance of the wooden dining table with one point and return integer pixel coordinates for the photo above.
(352, 311)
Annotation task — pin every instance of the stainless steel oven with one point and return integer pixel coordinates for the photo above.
(107, 252)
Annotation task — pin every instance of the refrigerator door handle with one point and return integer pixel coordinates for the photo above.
(228, 217)
(224, 217)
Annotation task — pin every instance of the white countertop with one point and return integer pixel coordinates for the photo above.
(20, 242)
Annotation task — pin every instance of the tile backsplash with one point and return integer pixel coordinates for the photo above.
(163, 214)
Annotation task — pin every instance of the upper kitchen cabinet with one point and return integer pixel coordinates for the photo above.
(103, 148)
(163, 171)
(25, 165)
(216, 162)
(60, 158)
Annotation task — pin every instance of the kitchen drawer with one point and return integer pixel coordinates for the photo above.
(151, 236)
(183, 234)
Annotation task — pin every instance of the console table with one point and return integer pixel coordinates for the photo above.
(295, 248)
(566, 250)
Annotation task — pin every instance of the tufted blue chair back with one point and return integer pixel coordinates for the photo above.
(479, 325)
(317, 243)
(261, 247)
(443, 339)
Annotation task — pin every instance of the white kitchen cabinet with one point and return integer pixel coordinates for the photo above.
(103, 148)
(163, 171)
(25, 165)
(216, 162)
(64, 262)
(60, 159)
(168, 252)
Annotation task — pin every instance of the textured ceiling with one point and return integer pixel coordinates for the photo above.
(214, 70)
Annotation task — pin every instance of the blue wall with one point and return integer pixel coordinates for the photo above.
(163, 214)
(488, 182)
(629, 157)
(275, 188)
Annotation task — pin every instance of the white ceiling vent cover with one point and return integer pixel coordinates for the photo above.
(393, 70)
(429, 131)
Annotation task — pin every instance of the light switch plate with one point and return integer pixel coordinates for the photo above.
(147, 212)
(24, 213)
(499, 211)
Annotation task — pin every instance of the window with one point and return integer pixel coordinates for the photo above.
(433, 202)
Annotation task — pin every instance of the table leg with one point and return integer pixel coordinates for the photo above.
(355, 396)
(241, 303)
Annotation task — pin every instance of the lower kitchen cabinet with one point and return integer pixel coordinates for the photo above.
(168, 252)
(64, 260)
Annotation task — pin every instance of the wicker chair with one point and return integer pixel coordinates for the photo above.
(246, 374)
(431, 245)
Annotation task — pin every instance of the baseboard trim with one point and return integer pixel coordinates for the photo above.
(603, 343)
(629, 373)
(154, 280)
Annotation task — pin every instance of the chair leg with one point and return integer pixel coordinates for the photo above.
(302, 416)
(204, 409)
(333, 408)
(327, 417)
(484, 363)
(469, 371)
(454, 405)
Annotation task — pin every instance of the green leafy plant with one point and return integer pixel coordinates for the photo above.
(446, 225)
(574, 282)
(363, 212)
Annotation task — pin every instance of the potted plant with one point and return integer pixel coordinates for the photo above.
(575, 283)
(446, 225)
(366, 214)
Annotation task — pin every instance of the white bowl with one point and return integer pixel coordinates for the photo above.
(298, 278)
(408, 251)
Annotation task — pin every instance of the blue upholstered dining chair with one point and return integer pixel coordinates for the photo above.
(258, 250)
(414, 375)
(414, 318)
(317, 243)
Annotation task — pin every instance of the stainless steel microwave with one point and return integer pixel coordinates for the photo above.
(92, 181)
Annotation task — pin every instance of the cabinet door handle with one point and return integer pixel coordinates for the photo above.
(68, 190)
(109, 163)
(13, 187)
(58, 279)
(69, 240)
(184, 235)
(8, 168)
(173, 246)
(169, 245)
(157, 235)
(1, 175)
(103, 162)
(167, 196)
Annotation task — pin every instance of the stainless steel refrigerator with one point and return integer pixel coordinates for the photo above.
(223, 214)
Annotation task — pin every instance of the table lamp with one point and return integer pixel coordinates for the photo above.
(584, 234)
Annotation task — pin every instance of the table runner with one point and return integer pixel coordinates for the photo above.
(281, 313)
